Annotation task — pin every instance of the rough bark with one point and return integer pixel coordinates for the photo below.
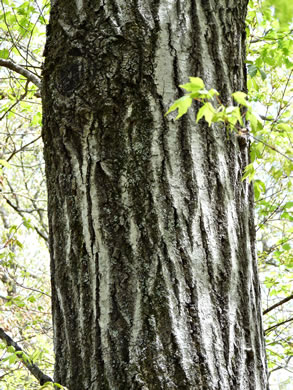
(154, 275)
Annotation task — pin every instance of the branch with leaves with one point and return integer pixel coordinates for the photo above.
(23, 357)
(231, 116)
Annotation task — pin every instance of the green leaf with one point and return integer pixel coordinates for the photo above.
(284, 127)
(207, 111)
(255, 122)
(286, 247)
(19, 244)
(194, 85)
(252, 70)
(219, 116)
(259, 187)
(58, 385)
(12, 358)
(13, 229)
(213, 92)
(31, 299)
(262, 74)
(27, 223)
(5, 164)
(182, 105)
(256, 192)
(283, 10)
(50, 385)
(240, 98)
(288, 63)
(249, 172)
(4, 53)
(37, 119)
(286, 215)
(234, 115)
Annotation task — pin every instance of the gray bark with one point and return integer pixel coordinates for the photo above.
(154, 276)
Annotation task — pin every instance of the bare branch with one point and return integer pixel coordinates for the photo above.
(23, 147)
(271, 147)
(28, 288)
(277, 325)
(24, 72)
(287, 299)
(21, 213)
(17, 101)
(33, 368)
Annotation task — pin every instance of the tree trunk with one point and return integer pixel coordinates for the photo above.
(154, 276)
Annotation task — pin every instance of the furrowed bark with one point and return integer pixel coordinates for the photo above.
(154, 276)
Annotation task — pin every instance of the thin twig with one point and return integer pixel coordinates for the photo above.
(278, 208)
(29, 288)
(277, 325)
(22, 148)
(271, 147)
(17, 101)
(21, 213)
